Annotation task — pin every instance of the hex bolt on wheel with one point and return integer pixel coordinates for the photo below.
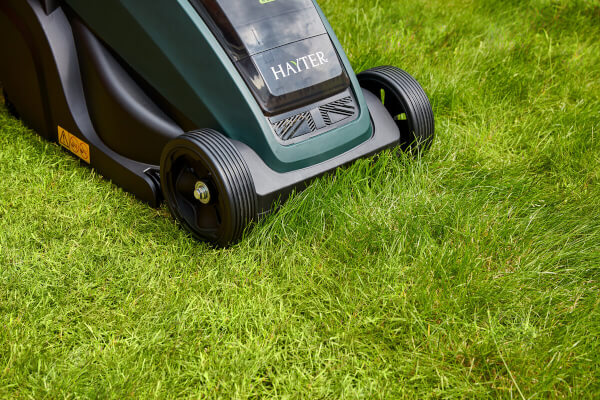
(202, 193)
(208, 186)
(407, 103)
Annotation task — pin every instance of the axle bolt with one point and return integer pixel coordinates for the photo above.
(202, 192)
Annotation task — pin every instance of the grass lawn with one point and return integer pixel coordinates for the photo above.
(471, 272)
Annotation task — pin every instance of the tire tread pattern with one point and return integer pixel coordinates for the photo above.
(412, 96)
(236, 178)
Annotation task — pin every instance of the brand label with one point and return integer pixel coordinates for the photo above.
(299, 65)
(74, 144)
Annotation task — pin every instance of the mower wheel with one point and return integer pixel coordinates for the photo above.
(10, 107)
(208, 186)
(407, 103)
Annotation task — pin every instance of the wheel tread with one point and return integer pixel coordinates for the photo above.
(410, 94)
(234, 173)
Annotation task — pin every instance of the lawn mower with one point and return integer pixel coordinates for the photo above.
(221, 108)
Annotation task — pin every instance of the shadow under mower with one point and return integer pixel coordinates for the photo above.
(222, 107)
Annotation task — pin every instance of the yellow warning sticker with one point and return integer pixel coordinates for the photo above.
(74, 144)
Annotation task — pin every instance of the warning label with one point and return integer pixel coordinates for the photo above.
(74, 145)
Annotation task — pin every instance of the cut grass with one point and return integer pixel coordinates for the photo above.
(472, 272)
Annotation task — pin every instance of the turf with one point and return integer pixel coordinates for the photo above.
(470, 272)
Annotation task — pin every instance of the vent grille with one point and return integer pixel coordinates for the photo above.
(319, 119)
(337, 111)
(295, 126)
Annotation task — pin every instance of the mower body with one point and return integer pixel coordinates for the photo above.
(127, 76)
(240, 67)
(220, 107)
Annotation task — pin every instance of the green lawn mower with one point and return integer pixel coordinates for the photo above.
(221, 108)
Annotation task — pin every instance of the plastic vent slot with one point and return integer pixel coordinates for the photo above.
(298, 125)
(337, 111)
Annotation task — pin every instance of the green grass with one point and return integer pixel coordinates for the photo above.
(472, 272)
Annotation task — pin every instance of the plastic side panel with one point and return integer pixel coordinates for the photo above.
(158, 41)
(20, 69)
(124, 116)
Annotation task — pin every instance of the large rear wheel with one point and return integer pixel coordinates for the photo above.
(407, 103)
(208, 186)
